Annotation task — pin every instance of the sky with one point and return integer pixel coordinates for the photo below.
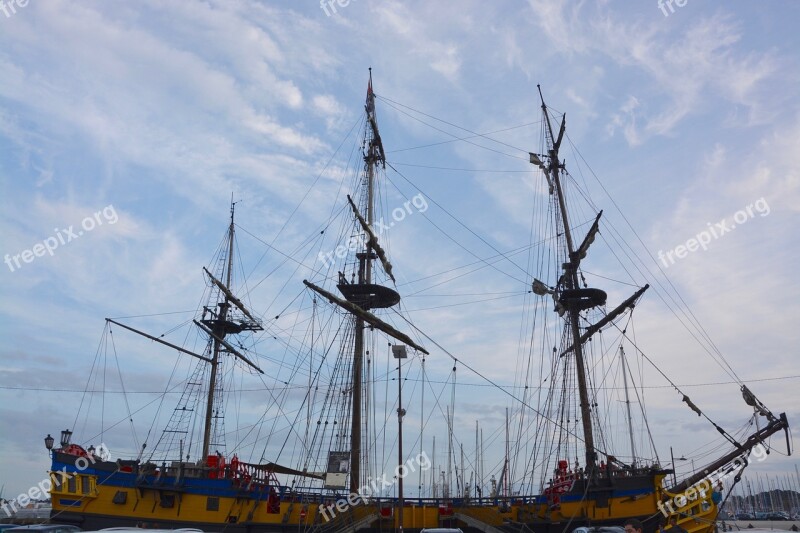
(125, 128)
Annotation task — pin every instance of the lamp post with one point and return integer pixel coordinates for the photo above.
(399, 353)
(681, 458)
(66, 436)
(49, 441)
(674, 477)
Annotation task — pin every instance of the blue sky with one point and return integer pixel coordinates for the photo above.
(151, 114)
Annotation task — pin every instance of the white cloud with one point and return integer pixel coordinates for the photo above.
(684, 68)
(166, 110)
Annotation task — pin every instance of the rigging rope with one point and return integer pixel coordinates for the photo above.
(694, 319)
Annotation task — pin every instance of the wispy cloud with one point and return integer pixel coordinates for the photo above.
(166, 110)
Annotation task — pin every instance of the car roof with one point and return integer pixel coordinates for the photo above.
(43, 527)
(139, 530)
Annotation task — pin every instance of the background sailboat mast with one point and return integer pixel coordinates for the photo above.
(571, 282)
(219, 332)
(628, 403)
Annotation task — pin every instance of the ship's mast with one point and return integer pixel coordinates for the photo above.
(220, 333)
(374, 154)
(570, 283)
(364, 295)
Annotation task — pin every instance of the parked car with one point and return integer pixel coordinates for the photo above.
(599, 529)
(778, 515)
(745, 516)
(761, 515)
(139, 530)
(44, 528)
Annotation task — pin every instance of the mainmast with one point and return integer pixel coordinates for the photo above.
(374, 155)
(570, 283)
(362, 294)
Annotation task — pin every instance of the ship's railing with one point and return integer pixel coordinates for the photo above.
(315, 496)
(247, 475)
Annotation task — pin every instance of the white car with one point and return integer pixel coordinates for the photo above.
(599, 529)
(139, 530)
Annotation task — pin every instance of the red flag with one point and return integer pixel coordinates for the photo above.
(370, 98)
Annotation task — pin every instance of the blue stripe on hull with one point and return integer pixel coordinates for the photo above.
(201, 486)
(226, 487)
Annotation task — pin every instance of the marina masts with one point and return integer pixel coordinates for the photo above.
(627, 404)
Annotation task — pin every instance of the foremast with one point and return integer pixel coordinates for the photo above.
(224, 315)
(217, 342)
(220, 323)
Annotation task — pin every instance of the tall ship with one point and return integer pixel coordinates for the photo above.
(354, 430)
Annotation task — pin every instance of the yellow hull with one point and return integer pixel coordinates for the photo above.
(82, 499)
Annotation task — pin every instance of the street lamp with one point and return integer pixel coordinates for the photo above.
(399, 353)
(66, 435)
(681, 458)
(49, 441)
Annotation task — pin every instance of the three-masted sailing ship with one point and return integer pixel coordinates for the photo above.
(569, 477)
